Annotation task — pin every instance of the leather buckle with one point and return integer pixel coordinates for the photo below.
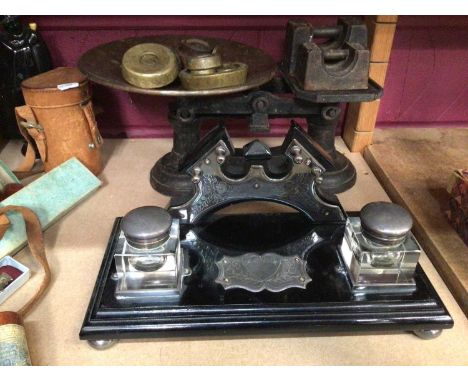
(32, 125)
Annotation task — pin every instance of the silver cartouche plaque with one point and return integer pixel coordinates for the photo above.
(268, 271)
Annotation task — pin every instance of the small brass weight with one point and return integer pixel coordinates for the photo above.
(204, 68)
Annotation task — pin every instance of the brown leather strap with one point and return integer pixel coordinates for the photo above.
(10, 318)
(4, 225)
(30, 130)
(36, 245)
(88, 111)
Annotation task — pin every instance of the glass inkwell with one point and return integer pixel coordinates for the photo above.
(379, 250)
(149, 260)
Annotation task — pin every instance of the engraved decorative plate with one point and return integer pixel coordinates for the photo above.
(212, 171)
(269, 271)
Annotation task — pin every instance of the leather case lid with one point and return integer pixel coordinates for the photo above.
(53, 78)
(44, 90)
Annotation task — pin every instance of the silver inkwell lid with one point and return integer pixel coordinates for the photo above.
(146, 227)
(385, 223)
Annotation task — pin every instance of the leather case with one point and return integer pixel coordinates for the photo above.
(58, 120)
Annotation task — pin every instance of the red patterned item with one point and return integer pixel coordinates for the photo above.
(8, 274)
(13, 272)
(458, 212)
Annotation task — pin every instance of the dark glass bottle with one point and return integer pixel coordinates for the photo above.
(23, 54)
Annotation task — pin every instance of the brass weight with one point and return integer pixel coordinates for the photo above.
(204, 68)
(150, 66)
(229, 74)
(205, 62)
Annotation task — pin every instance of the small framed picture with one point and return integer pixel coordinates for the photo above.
(13, 275)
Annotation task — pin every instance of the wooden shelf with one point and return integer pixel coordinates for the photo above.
(414, 166)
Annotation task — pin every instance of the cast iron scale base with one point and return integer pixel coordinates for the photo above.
(279, 98)
(269, 92)
(327, 305)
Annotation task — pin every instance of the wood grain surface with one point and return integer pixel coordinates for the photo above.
(414, 166)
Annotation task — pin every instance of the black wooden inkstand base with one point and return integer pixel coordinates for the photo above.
(327, 305)
(261, 273)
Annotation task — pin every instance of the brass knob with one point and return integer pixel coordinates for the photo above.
(204, 62)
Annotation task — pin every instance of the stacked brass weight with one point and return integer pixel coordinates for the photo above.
(150, 66)
(206, 71)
